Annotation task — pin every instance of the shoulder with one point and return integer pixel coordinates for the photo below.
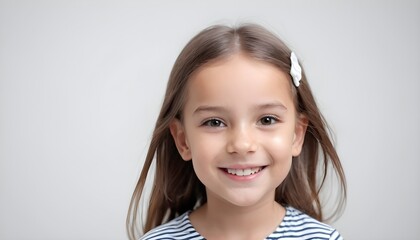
(176, 229)
(298, 225)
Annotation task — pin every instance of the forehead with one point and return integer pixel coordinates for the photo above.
(239, 80)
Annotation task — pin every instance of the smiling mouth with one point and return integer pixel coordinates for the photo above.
(243, 172)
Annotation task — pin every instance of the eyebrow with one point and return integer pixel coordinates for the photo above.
(209, 108)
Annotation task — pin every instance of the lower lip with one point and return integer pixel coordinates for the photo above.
(242, 178)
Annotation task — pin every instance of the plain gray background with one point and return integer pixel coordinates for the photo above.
(81, 83)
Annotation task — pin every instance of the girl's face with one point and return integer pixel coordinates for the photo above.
(240, 129)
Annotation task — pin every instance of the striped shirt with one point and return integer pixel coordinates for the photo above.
(295, 225)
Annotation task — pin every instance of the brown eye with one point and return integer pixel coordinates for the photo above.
(214, 123)
(268, 120)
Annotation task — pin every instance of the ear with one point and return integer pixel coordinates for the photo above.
(180, 139)
(299, 135)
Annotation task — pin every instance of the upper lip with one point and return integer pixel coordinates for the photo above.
(245, 166)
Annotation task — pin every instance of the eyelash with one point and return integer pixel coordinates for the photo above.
(272, 119)
(214, 122)
(210, 122)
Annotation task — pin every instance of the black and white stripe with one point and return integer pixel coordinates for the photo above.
(295, 225)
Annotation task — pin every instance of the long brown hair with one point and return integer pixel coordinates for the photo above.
(176, 188)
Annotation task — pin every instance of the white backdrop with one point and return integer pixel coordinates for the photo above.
(81, 83)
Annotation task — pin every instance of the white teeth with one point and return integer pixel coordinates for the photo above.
(243, 172)
(247, 172)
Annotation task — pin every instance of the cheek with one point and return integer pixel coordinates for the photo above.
(207, 153)
(283, 141)
(280, 152)
(280, 145)
(205, 147)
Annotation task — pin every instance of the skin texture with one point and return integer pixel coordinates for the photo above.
(239, 114)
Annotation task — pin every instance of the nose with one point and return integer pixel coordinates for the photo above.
(242, 140)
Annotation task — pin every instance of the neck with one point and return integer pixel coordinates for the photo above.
(221, 220)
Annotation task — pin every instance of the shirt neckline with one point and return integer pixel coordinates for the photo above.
(186, 217)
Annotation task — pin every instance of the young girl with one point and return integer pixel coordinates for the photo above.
(237, 145)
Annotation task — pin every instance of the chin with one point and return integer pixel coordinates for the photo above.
(246, 202)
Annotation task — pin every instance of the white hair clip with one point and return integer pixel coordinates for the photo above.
(295, 70)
